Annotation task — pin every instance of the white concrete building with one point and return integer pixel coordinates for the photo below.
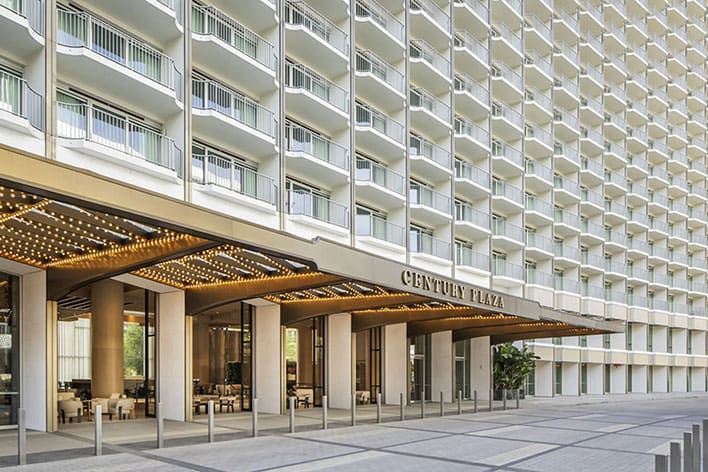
(550, 150)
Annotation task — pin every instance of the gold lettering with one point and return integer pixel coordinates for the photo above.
(446, 288)
(437, 286)
(462, 292)
(417, 280)
(427, 283)
(407, 277)
(501, 302)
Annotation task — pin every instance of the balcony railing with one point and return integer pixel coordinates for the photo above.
(539, 277)
(509, 153)
(19, 99)
(368, 62)
(538, 205)
(419, 49)
(299, 139)
(84, 122)
(433, 10)
(227, 173)
(507, 73)
(469, 214)
(369, 117)
(537, 241)
(300, 14)
(468, 85)
(422, 147)
(536, 132)
(427, 244)
(561, 249)
(593, 197)
(465, 256)
(428, 197)
(503, 268)
(594, 229)
(565, 217)
(593, 260)
(471, 130)
(378, 14)
(502, 31)
(81, 30)
(467, 171)
(504, 229)
(318, 207)
(421, 99)
(539, 170)
(301, 77)
(207, 20)
(379, 228)
(33, 10)
(465, 40)
(369, 171)
(566, 284)
(504, 189)
(565, 183)
(210, 95)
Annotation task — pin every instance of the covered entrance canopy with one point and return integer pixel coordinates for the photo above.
(83, 228)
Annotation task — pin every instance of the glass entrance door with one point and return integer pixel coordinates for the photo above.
(462, 368)
(9, 350)
(150, 353)
(419, 370)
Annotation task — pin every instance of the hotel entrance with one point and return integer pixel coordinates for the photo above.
(419, 369)
(305, 354)
(368, 365)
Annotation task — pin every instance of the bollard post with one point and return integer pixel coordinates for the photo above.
(292, 414)
(210, 421)
(378, 407)
(687, 453)
(403, 409)
(491, 399)
(254, 418)
(21, 437)
(442, 405)
(422, 407)
(661, 463)
(98, 430)
(503, 399)
(696, 448)
(459, 402)
(518, 395)
(675, 457)
(160, 427)
(353, 409)
(324, 412)
(475, 401)
(705, 446)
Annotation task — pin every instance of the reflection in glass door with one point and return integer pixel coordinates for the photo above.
(9, 350)
(419, 370)
(462, 368)
(318, 359)
(150, 357)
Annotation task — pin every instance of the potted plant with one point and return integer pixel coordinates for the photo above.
(511, 365)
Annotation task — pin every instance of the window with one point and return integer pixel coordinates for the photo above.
(629, 379)
(669, 340)
(628, 337)
(583, 378)
(650, 338)
(607, 378)
(689, 343)
(583, 341)
(606, 341)
(559, 378)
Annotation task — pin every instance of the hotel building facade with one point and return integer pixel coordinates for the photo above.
(278, 197)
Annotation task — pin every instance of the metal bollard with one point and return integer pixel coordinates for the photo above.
(160, 427)
(705, 446)
(459, 402)
(687, 453)
(491, 399)
(422, 407)
(98, 430)
(661, 463)
(324, 412)
(518, 395)
(442, 405)
(503, 399)
(210, 421)
(696, 448)
(292, 414)
(403, 408)
(675, 457)
(378, 408)
(254, 418)
(475, 401)
(353, 409)
(21, 437)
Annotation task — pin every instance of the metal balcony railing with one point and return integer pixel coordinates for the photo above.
(369, 117)
(539, 170)
(594, 229)
(536, 132)
(377, 13)
(563, 216)
(537, 241)
(229, 174)
(502, 268)
(593, 291)
(419, 98)
(368, 62)
(439, 16)
(377, 227)
(207, 20)
(561, 249)
(500, 30)
(539, 277)
(318, 207)
(471, 130)
(570, 85)
(465, 40)
(566, 284)
(84, 122)
(593, 197)
(32, 10)
(502, 228)
(593, 166)
(19, 99)
(81, 30)
(507, 73)
(419, 49)
(533, 203)
(369, 171)
(301, 77)
(504, 189)
(210, 95)
(301, 15)
(477, 6)
(538, 61)
(427, 244)
(299, 139)
(465, 212)
(509, 153)
(465, 256)
(565, 183)
(420, 146)
(468, 85)
(467, 171)
(593, 260)
(428, 197)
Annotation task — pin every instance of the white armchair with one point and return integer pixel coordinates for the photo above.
(71, 408)
(122, 408)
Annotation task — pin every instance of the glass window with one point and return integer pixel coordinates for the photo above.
(9, 349)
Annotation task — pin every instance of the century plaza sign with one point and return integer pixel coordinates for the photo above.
(451, 289)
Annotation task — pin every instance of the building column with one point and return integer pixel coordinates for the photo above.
(441, 365)
(172, 375)
(339, 360)
(106, 338)
(395, 363)
(481, 366)
(267, 359)
(571, 374)
(38, 390)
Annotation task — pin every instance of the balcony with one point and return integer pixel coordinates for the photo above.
(566, 58)
(429, 113)
(592, 231)
(22, 27)
(92, 52)
(318, 208)
(470, 139)
(591, 141)
(315, 156)
(378, 82)
(506, 273)
(161, 20)
(591, 171)
(506, 159)
(539, 278)
(507, 236)
(379, 134)
(471, 12)
(471, 223)
(506, 43)
(565, 255)
(216, 174)
(376, 227)
(467, 257)
(507, 83)
(566, 190)
(539, 105)
(430, 69)
(538, 69)
(471, 180)
(538, 211)
(224, 47)
(471, 98)
(507, 197)
(592, 262)
(566, 125)
(567, 91)
(507, 123)
(117, 141)
(539, 177)
(421, 243)
(428, 159)
(566, 156)
(565, 222)
(430, 22)
(315, 40)
(429, 206)
(538, 246)
(21, 108)
(233, 120)
(471, 54)
(378, 30)
(314, 99)
(376, 183)
(538, 141)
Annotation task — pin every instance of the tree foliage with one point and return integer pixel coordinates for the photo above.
(512, 365)
(133, 340)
